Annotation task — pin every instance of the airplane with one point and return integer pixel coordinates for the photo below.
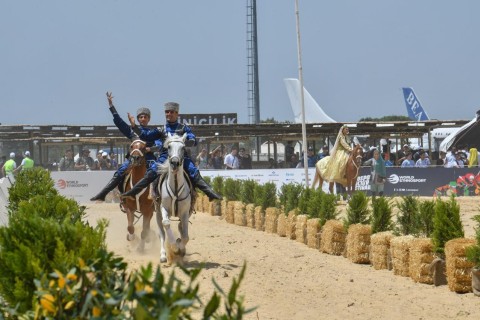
(417, 113)
(313, 112)
(414, 107)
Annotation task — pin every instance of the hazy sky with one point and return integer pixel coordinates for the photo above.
(58, 58)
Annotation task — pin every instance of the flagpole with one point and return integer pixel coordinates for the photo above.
(302, 98)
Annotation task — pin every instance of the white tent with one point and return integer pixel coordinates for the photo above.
(468, 135)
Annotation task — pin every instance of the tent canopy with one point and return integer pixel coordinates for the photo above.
(468, 135)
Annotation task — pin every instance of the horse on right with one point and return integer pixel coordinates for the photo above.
(352, 169)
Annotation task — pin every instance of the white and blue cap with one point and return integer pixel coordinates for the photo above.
(12, 154)
(27, 153)
(143, 110)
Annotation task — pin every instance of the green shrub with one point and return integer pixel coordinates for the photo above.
(424, 218)
(289, 196)
(473, 252)
(247, 193)
(314, 203)
(406, 218)
(304, 199)
(101, 288)
(328, 210)
(37, 239)
(446, 224)
(381, 215)
(29, 183)
(259, 195)
(217, 185)
(357, 210)
(269, 195)
(231, 189)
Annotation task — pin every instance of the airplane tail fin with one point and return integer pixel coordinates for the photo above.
(313, 112)
(414, 107)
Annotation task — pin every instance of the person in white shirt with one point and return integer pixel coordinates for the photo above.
(408, 162)
(231, 159)
(423, 161)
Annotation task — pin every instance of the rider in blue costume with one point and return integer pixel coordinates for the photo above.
(143, 116)
(172, 126)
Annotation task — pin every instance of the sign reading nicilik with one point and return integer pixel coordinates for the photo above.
(208, 118)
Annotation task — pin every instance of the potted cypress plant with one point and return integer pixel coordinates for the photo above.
(473, 255)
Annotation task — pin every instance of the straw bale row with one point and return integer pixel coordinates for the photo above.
(239, 217)
(333, 238)
(459, 270)
(379, 250)
(399, 247)
(271, 217)
(291, 225)
(301, 228)
(259, 219)
(358, 243)
(313, 231)
(420, 260)
(282, 225)
(250, 215)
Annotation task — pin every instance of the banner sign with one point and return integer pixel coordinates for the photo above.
(435, 181)
(208, 118)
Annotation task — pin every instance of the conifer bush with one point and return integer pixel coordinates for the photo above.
(473, 252)
(406, 218)
(269, 195)
(357, 210)
(217, 185)
(328, 210)
(247, 194)
(289, 195)
(314, 203)
(446, 224)
(304, 199)
(381, 215)
(231, 189)
(424, 218)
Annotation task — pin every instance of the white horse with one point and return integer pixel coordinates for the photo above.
(174, 189)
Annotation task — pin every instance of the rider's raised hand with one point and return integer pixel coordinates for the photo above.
(131, 119)
(110, 99)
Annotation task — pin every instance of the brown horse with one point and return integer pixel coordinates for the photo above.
(351, 171)
(142, 202)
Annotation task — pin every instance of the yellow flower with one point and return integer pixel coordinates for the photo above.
(69, 305)
(148, 289)
(81, 262)
(48, 302)
(96, 312)
(61, 282)
(94, 292)
(72, 277)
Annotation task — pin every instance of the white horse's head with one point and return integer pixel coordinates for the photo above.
(176, 150)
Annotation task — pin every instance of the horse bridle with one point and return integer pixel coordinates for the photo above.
(137, 152)
(357, 159)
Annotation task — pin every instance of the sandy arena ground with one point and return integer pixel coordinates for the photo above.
(287, 280)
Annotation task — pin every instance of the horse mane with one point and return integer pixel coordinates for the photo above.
(164, 167)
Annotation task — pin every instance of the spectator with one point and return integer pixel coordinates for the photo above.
(324, 153)
(293, 161)
(450, 160)
(84, 161)
(202, 159)
(459, 160)
(231, 159)
(217, 158)
(245, 159)
(408, 162)
(113, 161)
(441, 159)
(402, 154)
(67, 163)
(311, 158)
(272, 164)
(3, 159)
(103, 162)
(378, 173)
(289, 151)
(473, 159)
(10, 165)
(27, 162)
(423, 161)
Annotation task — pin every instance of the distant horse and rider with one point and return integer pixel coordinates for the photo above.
(342, 166)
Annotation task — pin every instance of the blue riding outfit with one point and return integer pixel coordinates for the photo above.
(119, 175)
(188, 165)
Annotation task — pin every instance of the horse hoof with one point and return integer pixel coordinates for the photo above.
(163, 259)
(130, 237)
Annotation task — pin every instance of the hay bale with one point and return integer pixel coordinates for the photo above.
(358, 243)
(239, 213)
(259, 218)
(282, 224)
(459, 269)
(205, 203)
(379, 248)
(229, 216)
(250, 215)
(301, 228)
(399, 251)
(420, 260)
(313, 230)
(215, 208)
(271, 216)
(333, 237)
(223, 208)
(291, 225)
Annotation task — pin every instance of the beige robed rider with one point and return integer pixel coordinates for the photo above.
(334, 170)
